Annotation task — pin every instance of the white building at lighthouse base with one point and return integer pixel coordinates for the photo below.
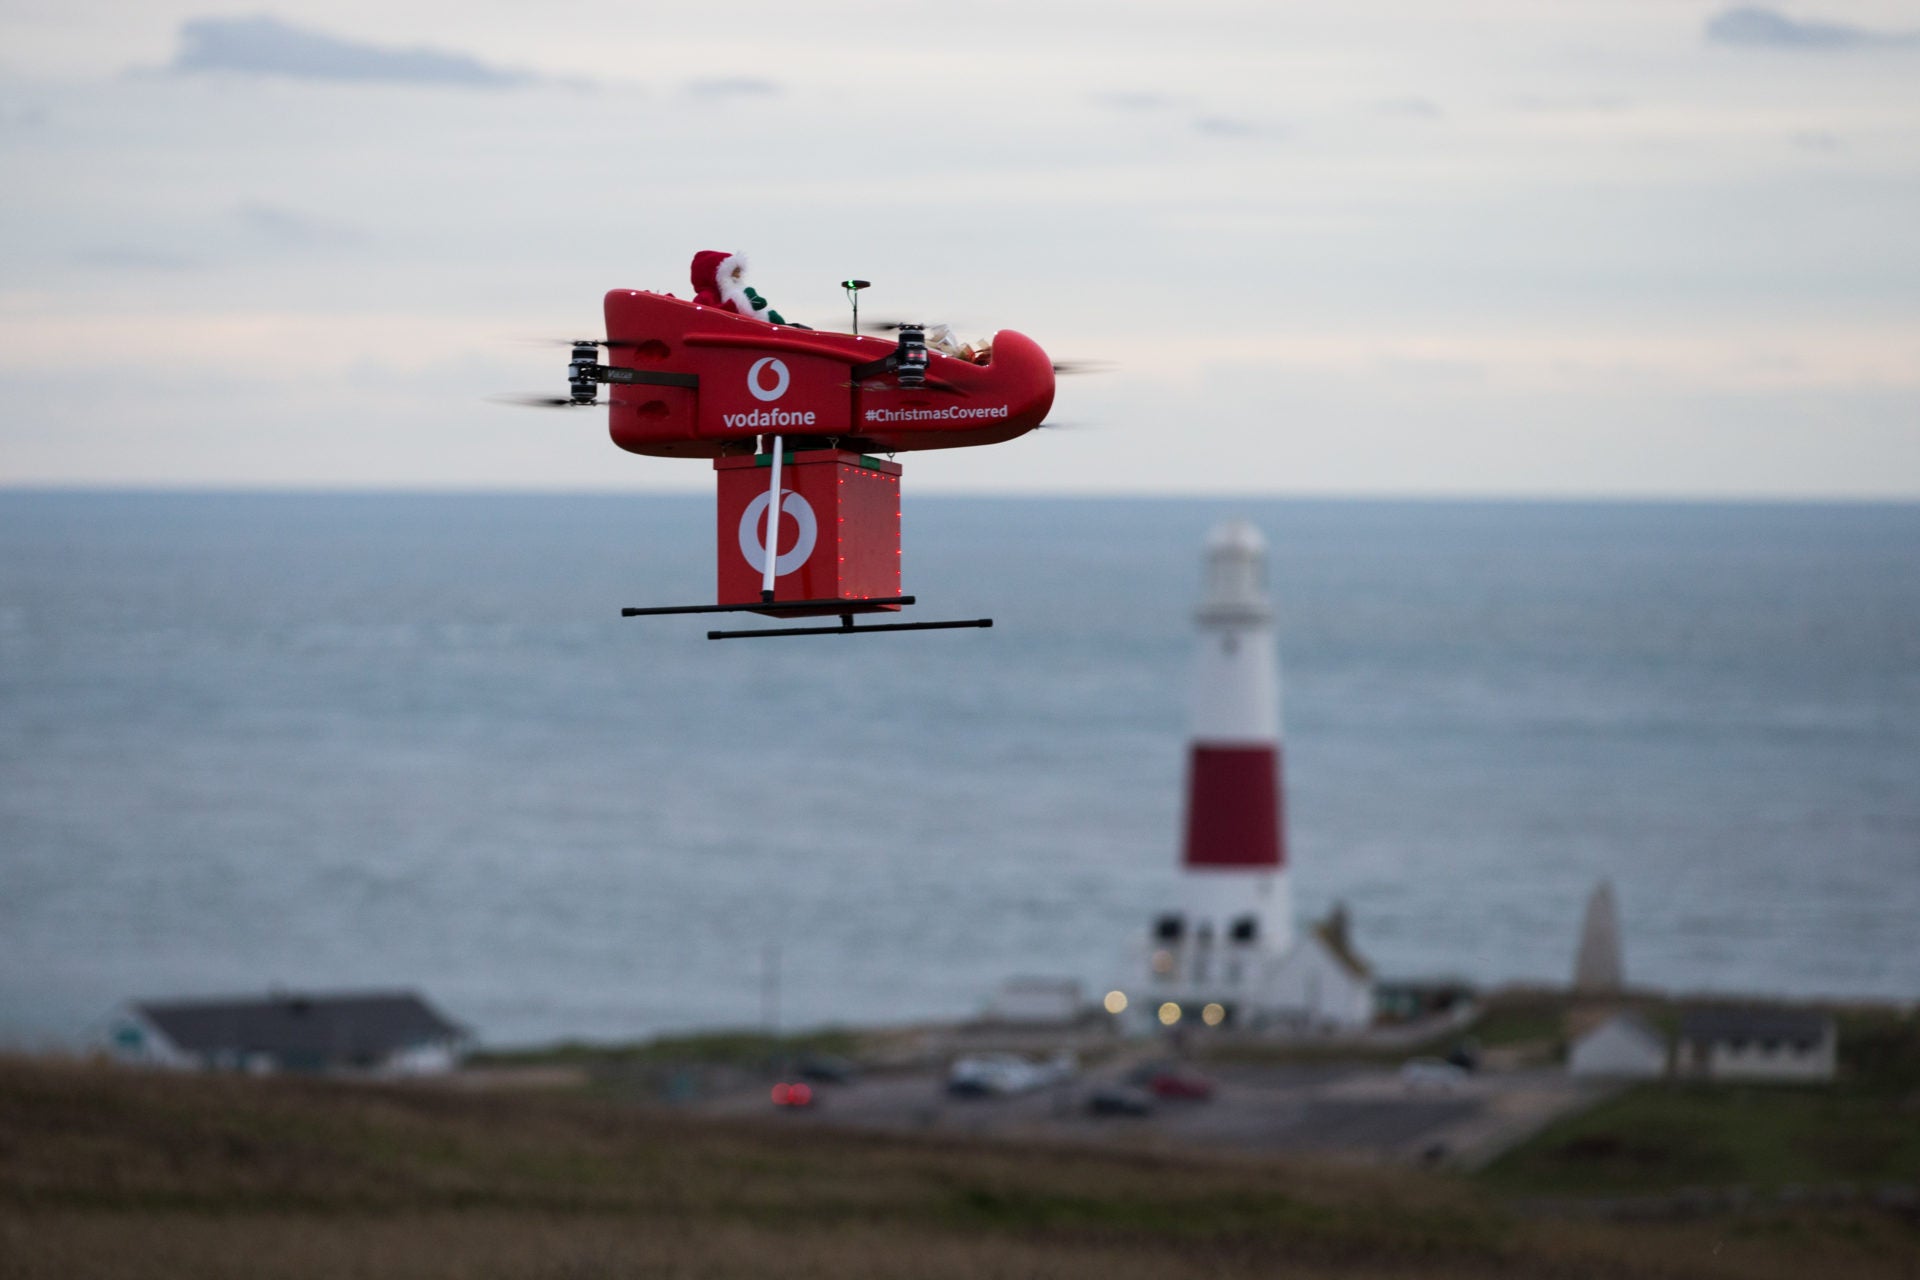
(1311, 983)
(1320, 983)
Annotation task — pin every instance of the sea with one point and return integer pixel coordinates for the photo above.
(307, 742)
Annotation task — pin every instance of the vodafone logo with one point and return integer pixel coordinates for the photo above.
(791, 504)
(780, 378)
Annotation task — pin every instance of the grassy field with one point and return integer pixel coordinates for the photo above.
(112, 1174)
(1862, 1129)
(720, 1048)
(1662, 1137)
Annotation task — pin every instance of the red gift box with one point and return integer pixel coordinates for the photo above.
(839, 529)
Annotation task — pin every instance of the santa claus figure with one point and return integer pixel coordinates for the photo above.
(720, 280)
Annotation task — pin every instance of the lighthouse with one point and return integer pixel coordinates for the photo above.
(1234, 911)
(1226, 952)
(1235, 846)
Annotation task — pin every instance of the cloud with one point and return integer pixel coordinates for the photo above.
(1133, 100)
(735, 87)
(1753, 27)
(1144, 101)
(120, 257)
(1417, 108)
(1230, 127)
(296, 230)
(1571, 104)
(1824, 143)
(266, 46)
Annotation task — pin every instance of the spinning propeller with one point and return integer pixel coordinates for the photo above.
(585, 373)
(530, 401)
(1061, 368)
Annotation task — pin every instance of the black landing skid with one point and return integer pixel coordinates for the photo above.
(809, 608)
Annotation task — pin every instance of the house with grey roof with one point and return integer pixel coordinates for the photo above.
(391, 1033)
(1757, 1044)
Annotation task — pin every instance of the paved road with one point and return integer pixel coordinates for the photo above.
(1362, 1112)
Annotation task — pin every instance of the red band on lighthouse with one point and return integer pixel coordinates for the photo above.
(1235, 815)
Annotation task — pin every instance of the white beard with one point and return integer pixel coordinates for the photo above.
(733, 293)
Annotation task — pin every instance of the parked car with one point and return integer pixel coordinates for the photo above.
(1431, 1075)
(826, 1068)
(793, 1094)
(1120, 1100)
(996, 1075)
(970, 1084)
(1171, 1080)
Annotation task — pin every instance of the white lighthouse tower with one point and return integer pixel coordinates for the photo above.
(1228, 954)
(1235, 851)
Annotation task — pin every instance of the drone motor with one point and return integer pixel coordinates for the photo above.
(583, 382)
(911, 358)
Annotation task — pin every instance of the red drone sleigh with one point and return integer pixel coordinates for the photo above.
(791, 418)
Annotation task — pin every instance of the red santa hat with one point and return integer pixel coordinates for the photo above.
(720, 280)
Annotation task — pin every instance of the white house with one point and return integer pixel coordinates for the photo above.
(379, 1033)
(1321, 983)
(1623, 1047)
(1757, 1044)
(1037, 1002)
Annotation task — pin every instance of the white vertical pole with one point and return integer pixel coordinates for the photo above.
(770, 989)
(773, 523)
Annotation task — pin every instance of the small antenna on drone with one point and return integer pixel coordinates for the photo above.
(853, 288)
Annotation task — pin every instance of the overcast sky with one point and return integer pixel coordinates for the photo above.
(1610, 247)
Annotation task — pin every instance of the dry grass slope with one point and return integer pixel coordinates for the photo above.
(120, 1175)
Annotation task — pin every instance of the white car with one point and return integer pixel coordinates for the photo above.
(997, 1075)
(1431, 1075)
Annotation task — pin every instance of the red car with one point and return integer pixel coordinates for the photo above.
(797, 1094)
(1173, 1081)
